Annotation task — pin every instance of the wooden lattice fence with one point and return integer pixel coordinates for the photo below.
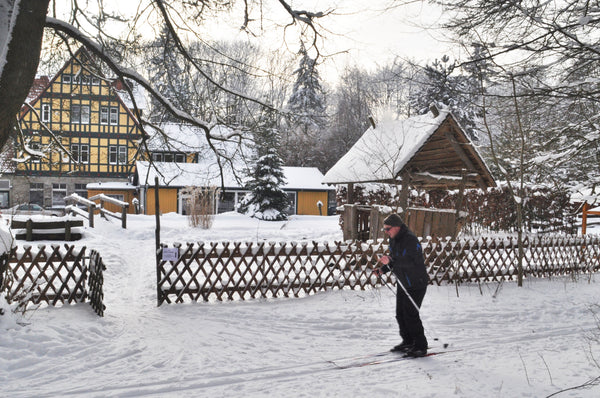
(235, 270)
(55, 275)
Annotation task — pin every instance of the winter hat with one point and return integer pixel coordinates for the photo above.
(393, 220)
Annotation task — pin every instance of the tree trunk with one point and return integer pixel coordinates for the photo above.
(23, 47)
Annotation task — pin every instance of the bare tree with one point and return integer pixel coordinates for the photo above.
(28, 23)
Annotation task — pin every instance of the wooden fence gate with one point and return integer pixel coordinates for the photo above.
(56, 276)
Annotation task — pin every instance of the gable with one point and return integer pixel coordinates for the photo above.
(79, 112)
(448, 153)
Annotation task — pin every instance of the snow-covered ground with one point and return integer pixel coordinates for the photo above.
(505, 341)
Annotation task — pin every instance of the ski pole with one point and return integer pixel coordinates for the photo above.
(403, 288)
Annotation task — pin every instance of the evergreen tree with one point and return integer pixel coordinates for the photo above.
(308, 117)
(267, 200)
(440, 85)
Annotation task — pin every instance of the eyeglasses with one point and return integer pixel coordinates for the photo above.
(386, 229)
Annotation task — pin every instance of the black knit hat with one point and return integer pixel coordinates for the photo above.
(393, 220)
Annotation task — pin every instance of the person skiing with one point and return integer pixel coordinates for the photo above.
(407, 262)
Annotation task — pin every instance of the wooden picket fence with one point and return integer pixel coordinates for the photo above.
(55, 275)
(241, 271)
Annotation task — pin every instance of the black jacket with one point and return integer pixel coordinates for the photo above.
(407, 262)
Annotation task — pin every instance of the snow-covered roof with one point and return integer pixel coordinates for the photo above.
(207, 174)
(384, 150)
(176, 137)
(113, 185)
(304, 178)
(138, 94)
(181, 137)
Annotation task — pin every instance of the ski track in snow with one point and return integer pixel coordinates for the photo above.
(529, 341)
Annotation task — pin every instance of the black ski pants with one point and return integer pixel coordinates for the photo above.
(407, 315)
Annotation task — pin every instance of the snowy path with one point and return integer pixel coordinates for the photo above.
(526, 342)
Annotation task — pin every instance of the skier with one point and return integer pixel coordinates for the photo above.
(407, 262)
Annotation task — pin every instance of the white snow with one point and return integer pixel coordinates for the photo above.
(206, 174)
(382, 151)
(506, 341)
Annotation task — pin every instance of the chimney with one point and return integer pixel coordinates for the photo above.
(434, 110)
(372, 121)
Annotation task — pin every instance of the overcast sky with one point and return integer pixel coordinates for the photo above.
(356, 32)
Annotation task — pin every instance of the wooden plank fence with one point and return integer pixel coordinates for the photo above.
(241, 271)
(56, 276)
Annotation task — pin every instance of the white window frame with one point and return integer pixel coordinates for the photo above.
(36, 188)
(59, 189)
(122, 158)
(104, 115)
(46, 113)
(66, 78)
(114, 116)
(84, 153)
(80, 153)
(85, 114)
(75, 114)
(112, 154)
(157, 157)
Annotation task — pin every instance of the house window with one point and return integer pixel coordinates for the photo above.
(168, 157)
(157, 157)
(4, 199)
(85, 114)
(36, 193)
(120, 197)
(95, 81)
(81, 190)
(104, 115)
(292, 203)
(59, 191)
(180, 158)
(80, 153)
(75, 114)
(112, 154)
(80, 114)
(35, 147)
(45, 113)
(114, 116)
(122, 155)
(117, 154)
(226, 202)
(66, 78)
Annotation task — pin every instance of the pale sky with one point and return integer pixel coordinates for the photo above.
(357, 32)
(369, 33)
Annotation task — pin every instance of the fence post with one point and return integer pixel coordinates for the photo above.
(124, 216)
(91, 211)
(159, 298)
(68, 230)
(350, 222)
(29, 230)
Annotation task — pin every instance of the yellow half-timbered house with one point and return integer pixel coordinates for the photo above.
(75, 130)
